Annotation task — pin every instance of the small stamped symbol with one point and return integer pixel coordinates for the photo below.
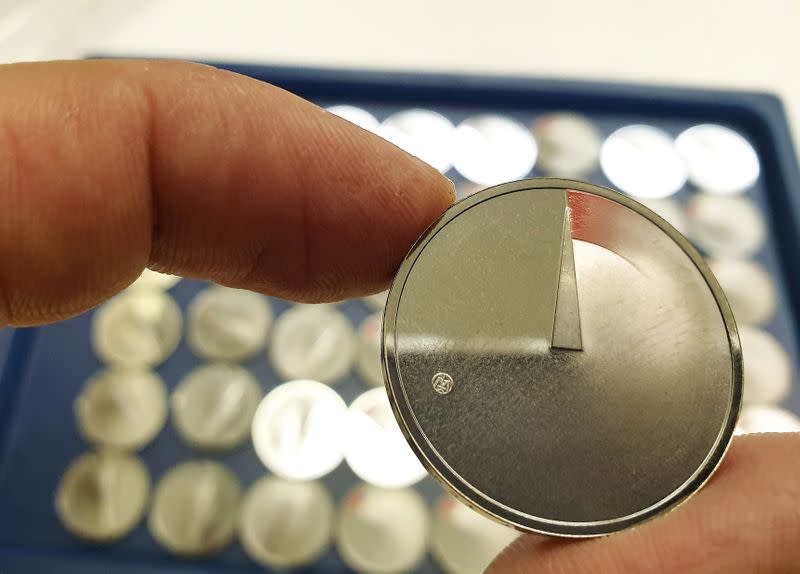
(442, 383)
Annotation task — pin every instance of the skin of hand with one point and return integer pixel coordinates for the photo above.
(107, 167)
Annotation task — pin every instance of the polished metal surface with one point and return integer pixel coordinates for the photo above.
(533, 432)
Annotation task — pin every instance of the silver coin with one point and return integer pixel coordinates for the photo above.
(195, 508)
(766, 418)
(286, 523)
(358, 116)
(150, 279)
(103, 495)
(228, 324)
(375, 448)
(382, 531)
(463, 541)
(670, 210)
(213, 406)
(424, 134)
(122, 409)
(569, 144)
(490, 149)
(642, 161)
(299, 429)
(748, 287)
(137, 329)
(377, 301)
(767, 369)
(313, 342)
(368, 363)
(719, 159)
(725, 225)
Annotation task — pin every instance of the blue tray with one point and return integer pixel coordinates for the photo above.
(42, 369)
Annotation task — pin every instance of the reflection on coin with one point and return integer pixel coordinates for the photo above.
(139, 328)
(569, 144)
(670, 210)
(491, 149)
(368, 363)
(725, 225)
(121, 409)
(228, 324)
(103, 495)
(422, 133)
(298, 430)
(377, 301)
(286, 523)
(358, 116)
(313, 342)
(463, 541)
(767, 371)
(154, 280)
(719, 159)
(766, 418)
(382, 531)
(642, 161)
(748, 287)
(376, 450)
(195, 508)
(213, 405)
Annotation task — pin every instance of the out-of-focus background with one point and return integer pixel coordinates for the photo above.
(721, 43)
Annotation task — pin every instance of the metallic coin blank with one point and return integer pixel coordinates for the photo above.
(103, 495)
(368, 362)
(122, 409)
(376, 450)
(424, 134)
(228, 324)
(492, 148)
(719, 159)
(150, 279)
(767, 369)
(313, 342)
(748, 287)
(670, 210)
(564, 353)
(642, 161)
(382, 531)
(463, 541)
(377, 301)
(195, 508)
(137, 329)
(286, 523)
(358, 116)
(213, 406)
(298, 430)
(729, 226)
(569, 144)
(766, 418)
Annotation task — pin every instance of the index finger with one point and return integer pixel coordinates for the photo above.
(110, 166)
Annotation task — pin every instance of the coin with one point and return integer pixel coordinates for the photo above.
(123, 409)
(767, 369)
(719, 159)
(463, 541)
(102, 495)
(382, 531)
(195, 508)
(214, 404)
(286, 523)
(358, 116)
(569, 144)
(298, 430)
(313, 342)
(424, 134)
(137, 329)
(491, 148)
(150, 279)
(376, 450)
(748, 287)
(228, 324)
(368, 362)
(729, 226)
(642, 161)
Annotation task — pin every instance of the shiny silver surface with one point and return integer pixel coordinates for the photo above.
(767, 370)
(725, 226)
(569, 144)
(424, 134)
(748, 287)
(611, 435)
